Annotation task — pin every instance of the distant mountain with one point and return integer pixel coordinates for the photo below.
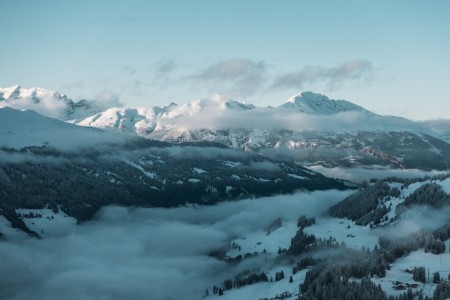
(309, 128)
(160, 122)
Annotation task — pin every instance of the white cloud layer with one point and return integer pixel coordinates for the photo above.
(414, 220)
(360, 174)
(144, 253)
(273, 119)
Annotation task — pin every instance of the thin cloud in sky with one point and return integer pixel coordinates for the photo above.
(80, 84)
(243, 77)
(240, 77)
(164, 74)
(165, 67)
(130, 70)
(106, 99)
(235, 77)
(334, 77)
(233, 69)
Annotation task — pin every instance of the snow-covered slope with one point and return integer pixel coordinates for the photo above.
(393, 231)
(19, 129)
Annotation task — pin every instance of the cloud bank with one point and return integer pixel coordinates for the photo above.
(360, 174)
(144, 253)
(275, 118)
(414, 220)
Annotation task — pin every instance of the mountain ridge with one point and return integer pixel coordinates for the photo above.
(314, 103)
(307, 102)
(308, 128)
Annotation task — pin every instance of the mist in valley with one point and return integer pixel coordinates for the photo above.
(143, 253)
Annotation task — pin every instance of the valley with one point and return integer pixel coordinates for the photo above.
(224, 211)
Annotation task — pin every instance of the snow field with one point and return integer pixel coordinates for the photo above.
(49, 224)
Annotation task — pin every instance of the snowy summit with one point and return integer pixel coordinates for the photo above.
(313, 103)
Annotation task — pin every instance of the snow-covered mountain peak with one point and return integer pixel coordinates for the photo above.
(48, 103)
(214, 105)
(125, 119)
(6, 93)
(239, 105)
(318, 104)
(18, 92)
(227, 103)
(309, 124)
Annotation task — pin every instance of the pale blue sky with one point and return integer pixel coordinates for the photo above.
(392, 57)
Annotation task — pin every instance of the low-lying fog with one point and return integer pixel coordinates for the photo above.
(360, 174)
(127, 253)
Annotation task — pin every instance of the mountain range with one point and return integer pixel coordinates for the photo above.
(308, 128)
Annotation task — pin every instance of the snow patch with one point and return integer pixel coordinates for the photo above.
(198, 171)
(297, 177)
(343, 230)
(231, 164)
(46, 222)
(151, 175)
(432, 263)
(445, 184)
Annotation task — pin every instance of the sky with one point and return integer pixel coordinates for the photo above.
(391, 57)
